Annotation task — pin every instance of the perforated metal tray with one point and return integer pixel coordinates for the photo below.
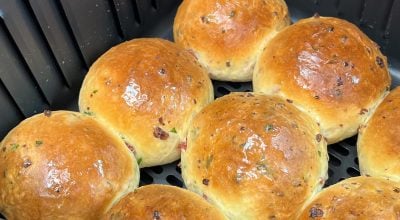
(47, 46)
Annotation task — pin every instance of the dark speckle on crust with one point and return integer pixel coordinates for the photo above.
(160, 133)
(363, 111)
(47, 113)
(380, 62)
(130, 147)
(316, 212)
(339, 81)
(204, 19)
(156, 215)
(27, 163)
(318, 137)
(161, 71)
(161, 121)
(232, 14)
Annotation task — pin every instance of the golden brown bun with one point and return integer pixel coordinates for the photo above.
(147, 91)
(330, 69)
(63, 166)
(379, 141)
(356, 198)
(163, 202)
(254, 156)
(228, 36)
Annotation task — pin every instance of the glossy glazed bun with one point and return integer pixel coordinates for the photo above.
(147, 91)
(356, 198)
(228, 36)
(254, 157)
(328, 68)
(163, 202)
(63, 165)
(379, 140)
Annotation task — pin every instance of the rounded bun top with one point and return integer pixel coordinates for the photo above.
(379, 140)
(356, 198)
(329, 68)
(147, 90)
(163, 202)
(254, 156)
(227, 36)
(63, 165)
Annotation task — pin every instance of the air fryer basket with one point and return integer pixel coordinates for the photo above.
(47, 46)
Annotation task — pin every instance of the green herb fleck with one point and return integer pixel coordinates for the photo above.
(38, 143)
(88, 113)
(14, 147)
(209, 160)
(319, 153)
(139, 161)
(93, 92)
(269, 127)
(173, 130)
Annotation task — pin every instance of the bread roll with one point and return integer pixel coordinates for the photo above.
(379, 140)
(228, 36)
(163, 202)
(147, 91)
(356, 198)
(63, 165)
(254, 156)
(328, 68)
